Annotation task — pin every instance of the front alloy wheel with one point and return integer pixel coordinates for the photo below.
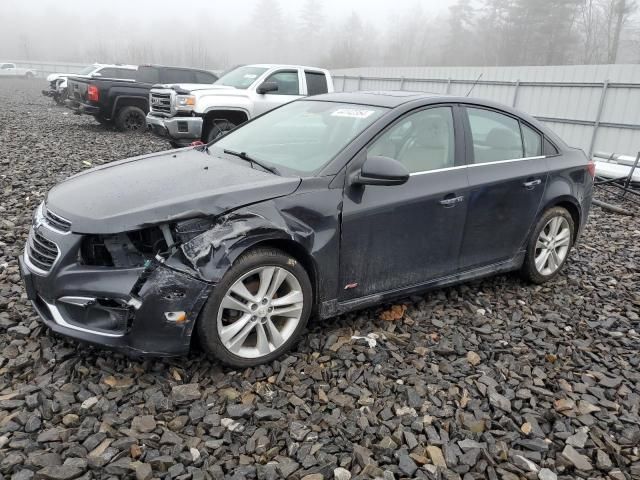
(258, 310)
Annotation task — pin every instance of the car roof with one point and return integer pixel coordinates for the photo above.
(279, 65)
(396, 98)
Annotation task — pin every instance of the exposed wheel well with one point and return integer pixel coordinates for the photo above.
(300, 254)
(130, 102)
(236, 117)
(573, 211)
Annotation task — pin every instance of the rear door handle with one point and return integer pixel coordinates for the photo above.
(449, 201)
(530, 184)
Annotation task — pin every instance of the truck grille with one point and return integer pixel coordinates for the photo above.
(161, 102)
(41, 252)
(56, 221)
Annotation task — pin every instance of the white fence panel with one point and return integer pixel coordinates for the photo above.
(592, 107)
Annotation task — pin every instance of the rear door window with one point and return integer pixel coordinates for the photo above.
(495, 136)
(532, 142)
(316, 83)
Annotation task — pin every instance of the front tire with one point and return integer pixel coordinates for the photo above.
(549, 246)
(258, 310)
(131, 119)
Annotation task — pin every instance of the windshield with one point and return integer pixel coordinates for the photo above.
(241, 77)
(302, 136)
(87, 70)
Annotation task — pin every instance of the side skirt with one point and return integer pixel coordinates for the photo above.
(333, 307)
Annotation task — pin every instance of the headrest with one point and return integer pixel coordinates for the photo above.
(503, 139)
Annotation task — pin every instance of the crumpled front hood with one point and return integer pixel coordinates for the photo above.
(167, 186)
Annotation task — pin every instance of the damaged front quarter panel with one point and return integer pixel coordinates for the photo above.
(210, 254)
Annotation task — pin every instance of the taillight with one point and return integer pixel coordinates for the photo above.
(591, 168)
(93, 94)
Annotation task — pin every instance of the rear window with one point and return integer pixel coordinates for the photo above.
(177, 75)
(112, 72)
(148, 75)
(205, 77)
(316, 83)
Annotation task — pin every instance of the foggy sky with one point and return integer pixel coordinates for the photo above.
(218, 34)
(57, 29)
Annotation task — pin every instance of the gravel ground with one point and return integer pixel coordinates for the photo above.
(492, 379)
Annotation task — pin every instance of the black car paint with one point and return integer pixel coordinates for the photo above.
(115, 94)
(161, 188)
(323, 221)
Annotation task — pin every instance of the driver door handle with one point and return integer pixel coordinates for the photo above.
(451, 201)
(532, 183)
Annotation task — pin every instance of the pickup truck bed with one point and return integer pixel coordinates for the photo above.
(124, 102)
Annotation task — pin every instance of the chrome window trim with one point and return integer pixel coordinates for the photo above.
(538, 157)
(497, 162)
(446, 169)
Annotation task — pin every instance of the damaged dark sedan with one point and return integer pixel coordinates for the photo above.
(322, 206)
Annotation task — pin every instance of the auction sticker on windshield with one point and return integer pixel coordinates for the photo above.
(353, 113)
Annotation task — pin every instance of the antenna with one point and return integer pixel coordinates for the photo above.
(474, 85)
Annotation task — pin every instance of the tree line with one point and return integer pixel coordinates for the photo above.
(469, 33)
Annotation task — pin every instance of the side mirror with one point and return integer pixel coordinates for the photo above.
(380, 171)
(267, 87)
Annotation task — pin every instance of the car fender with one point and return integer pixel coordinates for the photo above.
(210, 254)
(210, 103)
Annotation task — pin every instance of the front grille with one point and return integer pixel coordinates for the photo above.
(56, 221)
(41, 252)
(161, 102)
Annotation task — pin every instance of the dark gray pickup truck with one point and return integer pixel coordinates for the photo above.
(125, 102)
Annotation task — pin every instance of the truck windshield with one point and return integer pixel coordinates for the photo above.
(300, 137)
(241, 77)
(87, 70)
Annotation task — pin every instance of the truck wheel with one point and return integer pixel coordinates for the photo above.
(131, 119)
(258, 310)
(219, 128)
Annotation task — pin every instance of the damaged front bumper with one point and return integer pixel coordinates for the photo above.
(180, 130)
(149, 310)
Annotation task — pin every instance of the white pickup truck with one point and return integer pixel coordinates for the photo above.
(10, 70)
(187, 113)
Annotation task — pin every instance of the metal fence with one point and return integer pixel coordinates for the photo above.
(591, 115)
(43, 69)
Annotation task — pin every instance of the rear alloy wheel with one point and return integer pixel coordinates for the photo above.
(131, 119)
(258, 310)
(549, 246)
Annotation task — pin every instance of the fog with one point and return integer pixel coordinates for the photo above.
(332, 33)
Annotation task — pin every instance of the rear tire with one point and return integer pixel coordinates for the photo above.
(549, 246)
(245, 330)
(131, 119)
(219, 128)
